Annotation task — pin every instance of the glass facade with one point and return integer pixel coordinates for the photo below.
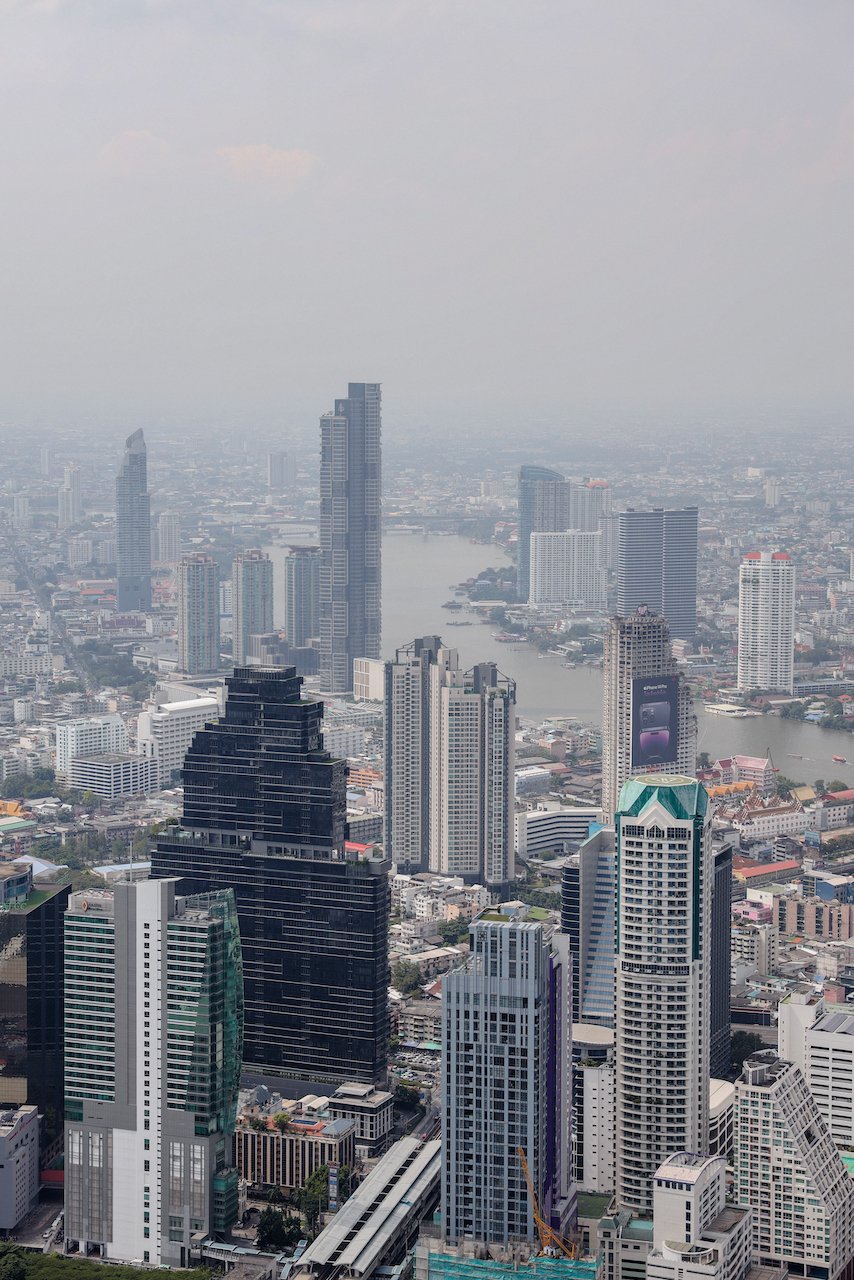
(264, 814)
(31, 1005)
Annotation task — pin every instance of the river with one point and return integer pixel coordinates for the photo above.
(418, 577)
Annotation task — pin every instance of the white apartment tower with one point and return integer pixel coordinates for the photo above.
(449, 790)
(153, 1039)
(648, 720)
(766, 621)
(70, 503)
(164, 733)
(567, 569)
(696, 1235)
(506, 1055)
(788, 1171)
(251, 600)
(168, 538)
(198, 614)
(665, 865)
(89, 736)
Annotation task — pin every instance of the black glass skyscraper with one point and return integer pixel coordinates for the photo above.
(133, 529)
(350, 534)
(31, 1005)
(264, 814)
(719, 984)
(543, 508)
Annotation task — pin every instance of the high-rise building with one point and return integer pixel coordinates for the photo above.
(153, 1027)
(168, 538)
(69, 500)
(589, 505)
(264, 814)
(506, 1048)
(567, 569)
(198, 614)
(657, 566)
(449, 790)
(89, 736)
(719, 978)
(133, 529)
(280, 471)
(251, 600)
(766, 621)
(45, 462)
(31, 1001)
(665, 866)
(587, 917)
(350, 535)
(302, 595)
(696, 1234)
(19, 1164)
(543, 508)
(648, 720)
(788, 1171)
(830, 1073)
(164, 733)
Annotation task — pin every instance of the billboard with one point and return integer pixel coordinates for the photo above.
(655, 708)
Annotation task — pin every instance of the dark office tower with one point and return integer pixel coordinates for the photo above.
(264, 814)
(657, 566)
(350, 535)
(719, 986)
(588, 891)
(31, 996)
(251, 600)
(133, 529)
(543, 508)
(302, 595)
(198, 614)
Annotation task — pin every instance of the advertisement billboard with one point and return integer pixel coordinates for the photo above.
(655, 705)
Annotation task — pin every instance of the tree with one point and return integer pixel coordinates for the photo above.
(453, 931)
(12, 1265)
(819, 786)
(836, 784)
(406, 977)
(277, 1230)
(783, 784)
(742, 1045)
(281, 1120)
(406, 1096)
(314, 1197)
(704, 760)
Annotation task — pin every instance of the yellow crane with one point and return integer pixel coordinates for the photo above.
(550, 1240)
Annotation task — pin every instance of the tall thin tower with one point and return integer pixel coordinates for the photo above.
(665, 866)
(252, 600)
(350, 534)
(198, 614)
(648, 720)
(766, 621)
(133, 529)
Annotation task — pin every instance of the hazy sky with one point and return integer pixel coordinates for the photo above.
(510, 212)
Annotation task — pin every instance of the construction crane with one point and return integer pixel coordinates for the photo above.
(551, 1242)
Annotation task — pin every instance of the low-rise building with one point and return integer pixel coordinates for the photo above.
(114, 774)
(280, 1151)
(371, 1112)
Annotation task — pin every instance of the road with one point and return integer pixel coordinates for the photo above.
(42, 595)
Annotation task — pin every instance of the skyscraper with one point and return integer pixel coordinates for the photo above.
(788, 1171)
(567, 569)
(251, 600)
(506, 1053)
(198, 614)
(719, 978)
(657, 566)
(449, 764)
(350, 535)
(264, 814)
(302, 595)
(70, 506)
(168, 538)
(153, 1023)
(31, 999)
(280, 471)
(664, 899)
(543, 508)
(133, 529)
(648, 720)
(587, 917)
(766, 621)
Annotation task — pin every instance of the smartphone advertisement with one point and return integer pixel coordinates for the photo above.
(654, 720)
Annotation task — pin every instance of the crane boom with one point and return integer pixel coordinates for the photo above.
(549, 1238)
